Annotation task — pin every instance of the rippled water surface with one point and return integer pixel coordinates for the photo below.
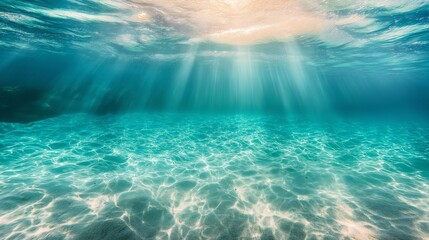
(195, 176)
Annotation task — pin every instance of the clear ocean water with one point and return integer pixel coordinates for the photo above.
(196, 176)
(223, 119)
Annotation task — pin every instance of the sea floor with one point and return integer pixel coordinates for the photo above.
(184, 176)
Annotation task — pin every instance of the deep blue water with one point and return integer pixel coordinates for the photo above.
(223, 119)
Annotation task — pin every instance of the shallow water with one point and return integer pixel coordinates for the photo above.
(194, 176)
(220, 119)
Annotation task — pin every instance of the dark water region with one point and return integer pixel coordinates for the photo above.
(54, 84)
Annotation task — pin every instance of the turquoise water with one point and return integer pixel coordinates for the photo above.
(220, 119)
(193, 176)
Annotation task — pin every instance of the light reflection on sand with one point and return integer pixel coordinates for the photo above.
(172, 177)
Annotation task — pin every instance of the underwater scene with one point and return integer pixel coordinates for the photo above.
(214, 119)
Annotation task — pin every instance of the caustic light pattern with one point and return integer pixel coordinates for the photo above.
(217, 177)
